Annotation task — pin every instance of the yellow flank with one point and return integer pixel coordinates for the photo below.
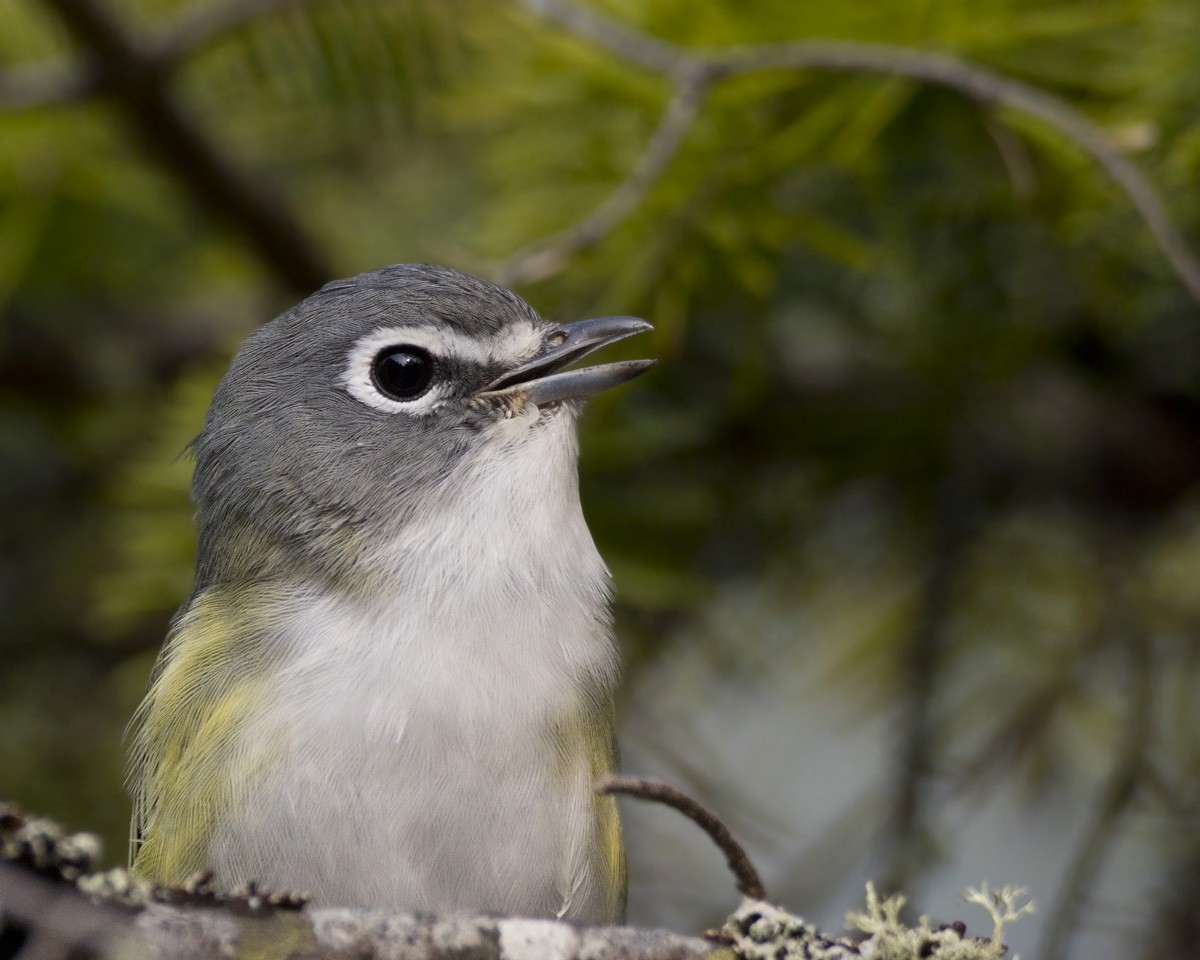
(610, 844)
(186, 757)
(595, 734)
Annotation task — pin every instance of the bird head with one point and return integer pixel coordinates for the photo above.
(385, 399)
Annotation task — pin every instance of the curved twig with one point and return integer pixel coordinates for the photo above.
(748, 882)
(629, 44)
(549, 255)
(974, 82)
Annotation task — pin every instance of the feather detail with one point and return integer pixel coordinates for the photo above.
(593, 885)
(187, 759)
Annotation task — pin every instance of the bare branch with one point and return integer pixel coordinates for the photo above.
(986, 87)
(748, 882)
(550, 255)
(628, 44)
(977, 83)
(61, 924)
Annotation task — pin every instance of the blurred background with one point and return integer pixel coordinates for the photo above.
(906, 523)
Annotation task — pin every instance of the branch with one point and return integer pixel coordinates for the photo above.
(649, 52)
(976, 83)
(60, 924)
(550, 255)
(333, 934)
(748, 882)
(139, 82)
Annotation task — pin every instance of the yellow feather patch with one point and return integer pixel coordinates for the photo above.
(187, 755)
(594, 733)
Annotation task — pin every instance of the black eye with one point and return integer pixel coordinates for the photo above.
(402, 373)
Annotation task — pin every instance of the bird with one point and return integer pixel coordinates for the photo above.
(392, 685)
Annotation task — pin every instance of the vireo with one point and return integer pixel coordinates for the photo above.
(392, 685)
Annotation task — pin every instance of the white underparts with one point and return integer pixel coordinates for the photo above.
(415, 734)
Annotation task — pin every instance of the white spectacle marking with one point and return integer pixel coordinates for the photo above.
(514, 346)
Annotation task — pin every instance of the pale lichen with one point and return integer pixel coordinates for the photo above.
(1005, 905)
(42, 845)
(762, 931)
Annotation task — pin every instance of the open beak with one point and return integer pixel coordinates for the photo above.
(543, 380)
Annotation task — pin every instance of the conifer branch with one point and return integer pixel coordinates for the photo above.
(550, 255)
(974, 82)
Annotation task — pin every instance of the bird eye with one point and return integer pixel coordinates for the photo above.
(402, 373)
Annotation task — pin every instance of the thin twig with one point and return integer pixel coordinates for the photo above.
(977, 83)
(611, 34)
(549, 255)
(748, 882)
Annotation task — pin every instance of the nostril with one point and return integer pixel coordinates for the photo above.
(557, 338)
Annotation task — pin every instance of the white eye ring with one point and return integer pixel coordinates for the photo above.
(359, 379)
(441, 342)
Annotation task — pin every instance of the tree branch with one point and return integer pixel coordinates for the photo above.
(550, 255)
(628, 44)
(57, 923)
(974, 82)
(139, 80)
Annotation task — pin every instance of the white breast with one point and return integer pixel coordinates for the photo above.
(410, 735)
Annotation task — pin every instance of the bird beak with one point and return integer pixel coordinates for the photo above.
(542, 379)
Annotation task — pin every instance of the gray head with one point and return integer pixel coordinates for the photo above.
(376, 401)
